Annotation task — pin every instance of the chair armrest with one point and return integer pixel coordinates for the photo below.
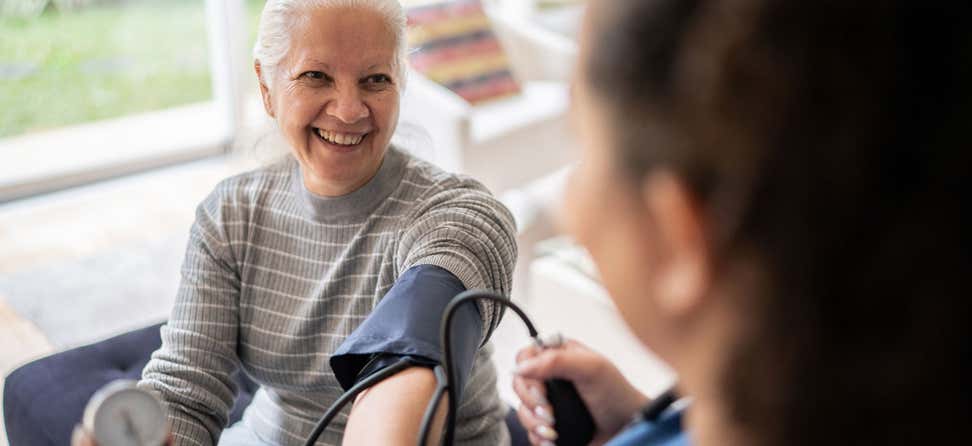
(536, 206)
(443, 115)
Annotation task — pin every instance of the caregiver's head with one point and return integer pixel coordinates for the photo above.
(331, 73)
(772, 193)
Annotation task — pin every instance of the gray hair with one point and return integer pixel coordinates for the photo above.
(279, 17)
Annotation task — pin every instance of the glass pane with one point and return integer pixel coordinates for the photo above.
(253, 10)
(66, 62)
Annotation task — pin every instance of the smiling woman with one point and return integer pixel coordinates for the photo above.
(337, 113)
(287, 264)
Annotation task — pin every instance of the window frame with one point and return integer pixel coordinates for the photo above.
(75, 155)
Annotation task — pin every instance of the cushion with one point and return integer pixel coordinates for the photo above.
(44, 400)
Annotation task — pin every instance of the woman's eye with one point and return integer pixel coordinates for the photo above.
(377, 79)
(315, 75)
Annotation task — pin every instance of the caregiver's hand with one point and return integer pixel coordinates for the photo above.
(611, 399)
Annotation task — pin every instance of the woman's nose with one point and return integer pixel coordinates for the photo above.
(348, 107)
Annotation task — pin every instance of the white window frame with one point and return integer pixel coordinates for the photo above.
(73, 155)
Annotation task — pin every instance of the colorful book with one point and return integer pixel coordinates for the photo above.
(453, 44)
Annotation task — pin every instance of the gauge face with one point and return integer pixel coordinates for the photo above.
(122, 415)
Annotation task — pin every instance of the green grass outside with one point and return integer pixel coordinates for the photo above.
(105, 62)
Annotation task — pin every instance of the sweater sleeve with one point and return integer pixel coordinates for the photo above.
(191, 371)
(463, 229)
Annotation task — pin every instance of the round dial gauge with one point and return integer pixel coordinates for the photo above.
(122, 415)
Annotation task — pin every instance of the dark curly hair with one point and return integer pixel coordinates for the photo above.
(829, 142)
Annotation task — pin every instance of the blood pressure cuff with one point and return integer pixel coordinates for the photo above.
(406, 323)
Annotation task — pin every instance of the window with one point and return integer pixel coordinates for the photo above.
(98, 88)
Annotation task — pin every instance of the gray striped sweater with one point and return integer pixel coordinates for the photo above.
(275, 278)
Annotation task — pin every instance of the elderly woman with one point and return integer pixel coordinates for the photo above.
(785, 224)
(286, 264)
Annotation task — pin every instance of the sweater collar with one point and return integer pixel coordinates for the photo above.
(356, 205)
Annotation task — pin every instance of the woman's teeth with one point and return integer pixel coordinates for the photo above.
(341, 139)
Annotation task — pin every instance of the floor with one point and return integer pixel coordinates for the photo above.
(83, 222)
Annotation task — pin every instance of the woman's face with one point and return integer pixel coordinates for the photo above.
(335, 96)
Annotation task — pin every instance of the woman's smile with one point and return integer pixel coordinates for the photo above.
(340, 141)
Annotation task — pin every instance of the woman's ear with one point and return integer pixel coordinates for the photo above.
(264, 90)
(683, 270)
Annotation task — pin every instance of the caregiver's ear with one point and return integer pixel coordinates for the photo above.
(683, 271)
(264, 90)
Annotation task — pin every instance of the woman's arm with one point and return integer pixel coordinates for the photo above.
(390, 413)
(405, 323)
(192, 370)
(462, 229)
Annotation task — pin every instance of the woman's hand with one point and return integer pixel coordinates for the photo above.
(81, 437)
(611, 399)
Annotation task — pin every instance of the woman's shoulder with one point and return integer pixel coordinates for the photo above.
(422, 179)
(256, 185)
(427, 187)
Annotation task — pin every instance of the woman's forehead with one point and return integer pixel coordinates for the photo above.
(337, 61)
(344, 38)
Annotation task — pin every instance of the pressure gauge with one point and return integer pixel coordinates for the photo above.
(121, 414)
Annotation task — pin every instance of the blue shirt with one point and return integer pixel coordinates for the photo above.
(666, 430)
(406, 323)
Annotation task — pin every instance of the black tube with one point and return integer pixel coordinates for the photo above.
(654, 409)
(451, 380)
(433, 406)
